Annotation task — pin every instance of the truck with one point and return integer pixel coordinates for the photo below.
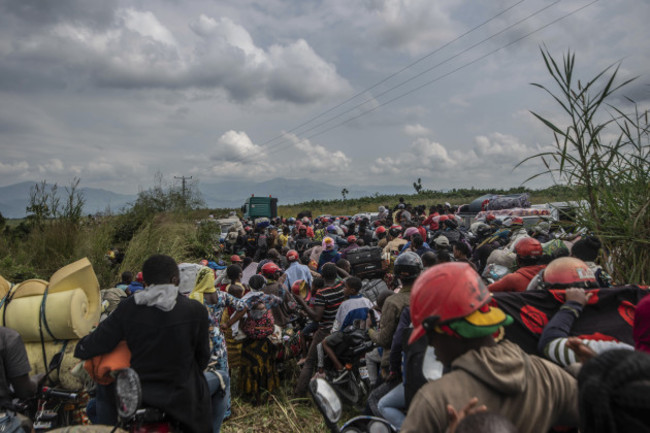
(260, 207)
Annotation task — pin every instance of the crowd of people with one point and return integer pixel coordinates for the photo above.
(288, 288)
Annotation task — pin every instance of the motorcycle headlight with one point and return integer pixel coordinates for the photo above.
(326, 399)
(128, 392)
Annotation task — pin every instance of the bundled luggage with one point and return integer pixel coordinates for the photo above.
(365, 262)
(508, 201)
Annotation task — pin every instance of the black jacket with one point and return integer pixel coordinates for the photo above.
(169, 351)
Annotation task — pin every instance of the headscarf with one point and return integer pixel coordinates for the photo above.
(641, 331)
(328, 244)
(204, 284)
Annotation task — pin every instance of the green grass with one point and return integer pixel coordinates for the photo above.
(282, 412)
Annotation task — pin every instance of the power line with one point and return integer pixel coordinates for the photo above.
(434, 80)
(431, 68)
(455, 70)
(394, 74)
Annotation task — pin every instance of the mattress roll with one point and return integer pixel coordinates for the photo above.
(67, 316)
(63, 376)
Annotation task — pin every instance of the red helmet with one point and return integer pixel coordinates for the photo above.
(448, 291)
(139, 278)
(380, 230)
(528, 248)
(270, 269)
(568, 272)
(235, 258)
(352, 239)
(292, 255)
(299, 287)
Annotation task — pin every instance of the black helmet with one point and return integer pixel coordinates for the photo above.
(408, 266)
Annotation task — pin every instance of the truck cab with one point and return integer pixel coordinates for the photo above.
(260, 207)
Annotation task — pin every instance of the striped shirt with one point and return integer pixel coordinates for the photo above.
(330, 298)
(558, 352)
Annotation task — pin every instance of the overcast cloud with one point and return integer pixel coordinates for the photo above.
(113, 91)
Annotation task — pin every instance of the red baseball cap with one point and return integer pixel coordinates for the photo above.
(529, 247)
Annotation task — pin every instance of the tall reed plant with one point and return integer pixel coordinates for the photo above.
(610, 175)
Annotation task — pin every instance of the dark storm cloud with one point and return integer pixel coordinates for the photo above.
(39, 12)
(638, 91)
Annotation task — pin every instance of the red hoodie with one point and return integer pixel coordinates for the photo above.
(430, 222)
(517, 281)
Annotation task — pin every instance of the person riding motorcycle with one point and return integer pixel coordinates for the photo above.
(14, 372)
(168, 336)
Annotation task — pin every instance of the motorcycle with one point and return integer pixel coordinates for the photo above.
(329, 405)
(132, 416)
(354, 384)
(51, 407)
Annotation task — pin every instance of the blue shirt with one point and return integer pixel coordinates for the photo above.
(296, 272)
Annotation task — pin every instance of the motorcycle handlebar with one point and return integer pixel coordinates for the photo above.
(363, 348)
(50, 392)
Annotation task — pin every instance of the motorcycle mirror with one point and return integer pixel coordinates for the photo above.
(128, 393)
(326, 399)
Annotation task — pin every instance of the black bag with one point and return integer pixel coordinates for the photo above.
(365, 262)
(371, 289)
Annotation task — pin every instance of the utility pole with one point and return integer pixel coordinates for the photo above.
(183, 179)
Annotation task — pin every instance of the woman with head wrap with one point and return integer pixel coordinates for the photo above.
(204, 284)
(217, 374)
(258, 371)
(330, 253)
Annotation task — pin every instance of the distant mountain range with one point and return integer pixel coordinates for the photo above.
(230, 194)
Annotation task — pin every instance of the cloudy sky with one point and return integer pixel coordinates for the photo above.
(348, 92)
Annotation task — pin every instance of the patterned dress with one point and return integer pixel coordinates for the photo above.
(219, 354)
(258, 371)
